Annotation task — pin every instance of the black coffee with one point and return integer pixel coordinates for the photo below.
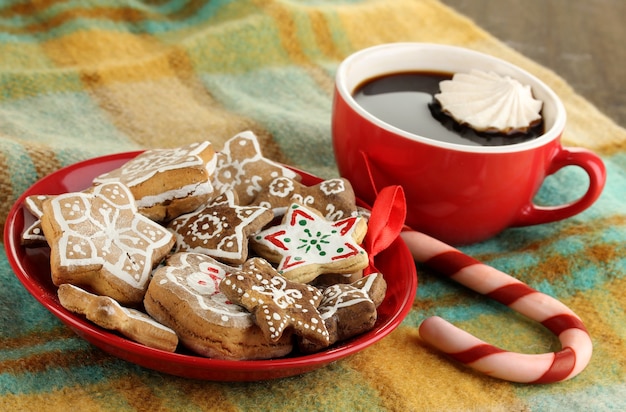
(406, 101)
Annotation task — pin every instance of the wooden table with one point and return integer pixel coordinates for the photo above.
(583, 41)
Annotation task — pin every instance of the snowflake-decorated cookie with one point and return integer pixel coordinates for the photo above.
(168, 182)
(333, 198)
(99, 241)
(306, 245)
(184, 294)
(241, 167)
(109, 314)
(276, 303)
(220, 228)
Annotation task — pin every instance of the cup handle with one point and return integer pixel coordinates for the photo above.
(594, 167)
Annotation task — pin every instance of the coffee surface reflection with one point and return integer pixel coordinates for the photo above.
(406, 101)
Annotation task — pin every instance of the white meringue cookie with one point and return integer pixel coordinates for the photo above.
(486, 101)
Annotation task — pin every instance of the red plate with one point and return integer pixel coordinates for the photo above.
(31, 265)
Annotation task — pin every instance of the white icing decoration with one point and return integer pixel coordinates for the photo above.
(284, 301)
(151, 162)
(205, 224)
(33, 206)
(332, 186)
(279, 293)
(203, 286)
(33, 232)
(281, 187)
(308, 200)
(188, 190)
(335, 298)
(104, 228)
(135, 314)
(369, 281)
(334, 214)
(254, 185)
(306, 238)
(236, 171)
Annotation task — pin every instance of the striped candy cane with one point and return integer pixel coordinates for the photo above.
(475, 353)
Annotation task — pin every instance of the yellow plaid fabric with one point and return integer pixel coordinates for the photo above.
(79, 79)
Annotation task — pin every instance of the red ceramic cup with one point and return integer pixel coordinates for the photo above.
(459, 194)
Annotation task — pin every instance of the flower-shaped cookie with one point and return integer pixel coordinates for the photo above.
(275, 302)
(333, 198)
(220, 229)
(98, 240)
(241, 167)
(306, 245)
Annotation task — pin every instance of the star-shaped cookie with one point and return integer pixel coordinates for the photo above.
(275, 302)
(98, 240)
(241, 167)
(333, 198)
(220, 229)
(306, 245)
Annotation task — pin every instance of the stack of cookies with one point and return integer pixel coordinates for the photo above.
(226, 254)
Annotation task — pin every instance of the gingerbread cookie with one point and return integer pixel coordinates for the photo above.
(98, 241)
(241, 167)
(333, 198)
(33, 235)
(374, 285)
(220, 228)
(107, 313)
(276, 303)
(168, 182)
(306, 245)
(327, 279)
(184, 294)
(348, 310)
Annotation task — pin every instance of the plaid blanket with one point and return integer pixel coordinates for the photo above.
(79, 79)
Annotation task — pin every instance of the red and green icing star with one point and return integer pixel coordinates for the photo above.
(306, 245)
